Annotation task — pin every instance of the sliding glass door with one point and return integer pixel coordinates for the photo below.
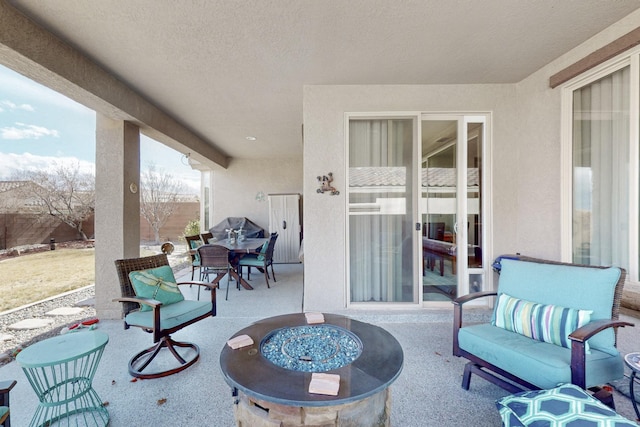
(381, 210)
(451, 206)
(415, 214)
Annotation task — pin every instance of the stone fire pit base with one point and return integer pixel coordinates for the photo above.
(374, 411)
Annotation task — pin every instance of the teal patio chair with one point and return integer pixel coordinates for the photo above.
(5, 414)
(192, 244)
(260, 260)
(151, 300)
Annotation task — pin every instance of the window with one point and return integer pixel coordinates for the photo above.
(603, 182)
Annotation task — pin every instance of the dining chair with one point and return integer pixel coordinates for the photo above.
(151, 300)
(205, 237)
(260, 260)
(5, 414)
(214, 259)
(192, 244)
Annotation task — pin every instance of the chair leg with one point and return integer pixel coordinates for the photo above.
(466, 377)
(228, 280)
(273, 273)
(266, 276)
(141, 361)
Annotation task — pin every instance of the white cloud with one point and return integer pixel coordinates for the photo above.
(11, 163)
(24, 131)
(13, 106)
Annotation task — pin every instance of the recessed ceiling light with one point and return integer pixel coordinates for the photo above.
(251, 138)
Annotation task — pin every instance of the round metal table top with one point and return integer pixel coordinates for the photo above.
(61, 349)
(633, 361)
(246, 369)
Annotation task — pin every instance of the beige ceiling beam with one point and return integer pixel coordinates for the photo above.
(596, 58)
(43, 57)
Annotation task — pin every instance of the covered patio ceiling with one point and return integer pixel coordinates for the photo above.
(228, 70)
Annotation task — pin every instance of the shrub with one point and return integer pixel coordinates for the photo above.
(192, 228)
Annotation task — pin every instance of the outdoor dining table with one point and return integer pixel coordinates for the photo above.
(240, 248)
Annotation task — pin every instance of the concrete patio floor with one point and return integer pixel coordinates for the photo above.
(427, 392)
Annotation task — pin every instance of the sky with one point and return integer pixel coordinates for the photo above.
(40, 128)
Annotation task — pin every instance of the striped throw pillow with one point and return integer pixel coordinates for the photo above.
(542, 322)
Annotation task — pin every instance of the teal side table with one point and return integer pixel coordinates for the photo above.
(61, 370)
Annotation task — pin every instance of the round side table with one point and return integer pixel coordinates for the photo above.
(61, 370)
(632, 360)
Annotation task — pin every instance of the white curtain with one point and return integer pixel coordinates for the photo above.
(601, 171)
(380, 247)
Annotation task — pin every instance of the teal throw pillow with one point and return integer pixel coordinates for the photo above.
(156, 283)
(542, 322)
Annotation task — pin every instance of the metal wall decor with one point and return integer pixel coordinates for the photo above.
(324, 184)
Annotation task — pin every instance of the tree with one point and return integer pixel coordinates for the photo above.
(159, 193)
(65, 193)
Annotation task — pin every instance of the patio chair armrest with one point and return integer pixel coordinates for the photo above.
(206, 285)
(578, 340)
(146, 301)
(590, 329)
(6, 386)
(470, 297)
(197, 283)
(457, 313)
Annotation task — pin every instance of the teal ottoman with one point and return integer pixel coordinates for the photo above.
(566, 405)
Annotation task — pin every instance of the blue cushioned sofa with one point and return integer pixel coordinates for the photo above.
(535, 299)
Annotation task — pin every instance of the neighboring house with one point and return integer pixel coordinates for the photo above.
(12, 198)
(530, 142)
(21, 225)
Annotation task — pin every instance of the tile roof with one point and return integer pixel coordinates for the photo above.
(11, 185)
(395, 176)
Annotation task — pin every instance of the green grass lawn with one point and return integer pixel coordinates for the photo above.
(36, 276)
(33, 277)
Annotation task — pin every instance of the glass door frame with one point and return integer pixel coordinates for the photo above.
(416, 248)
(463, 271)
(487, 219)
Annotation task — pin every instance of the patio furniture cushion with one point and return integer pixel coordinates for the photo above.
(263, 250)
(3, 411)
(559, 285)
(171, 315)
(565, 405)
(156, 283)
(194, 245)
(543, 364)
(543, 322)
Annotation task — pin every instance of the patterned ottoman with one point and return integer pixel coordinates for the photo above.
(565, 405)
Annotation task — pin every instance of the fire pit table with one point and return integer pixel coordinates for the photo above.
(270, 379)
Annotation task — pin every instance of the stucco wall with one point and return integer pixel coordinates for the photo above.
(524, 161)
(236, 187)
(539, 160)
(324, 124)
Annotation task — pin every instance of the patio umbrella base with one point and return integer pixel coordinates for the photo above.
(141, 361)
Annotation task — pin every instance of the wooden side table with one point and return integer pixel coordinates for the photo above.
(61, 371)
(632, 360)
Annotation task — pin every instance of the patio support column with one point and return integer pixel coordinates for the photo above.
(117, 216)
